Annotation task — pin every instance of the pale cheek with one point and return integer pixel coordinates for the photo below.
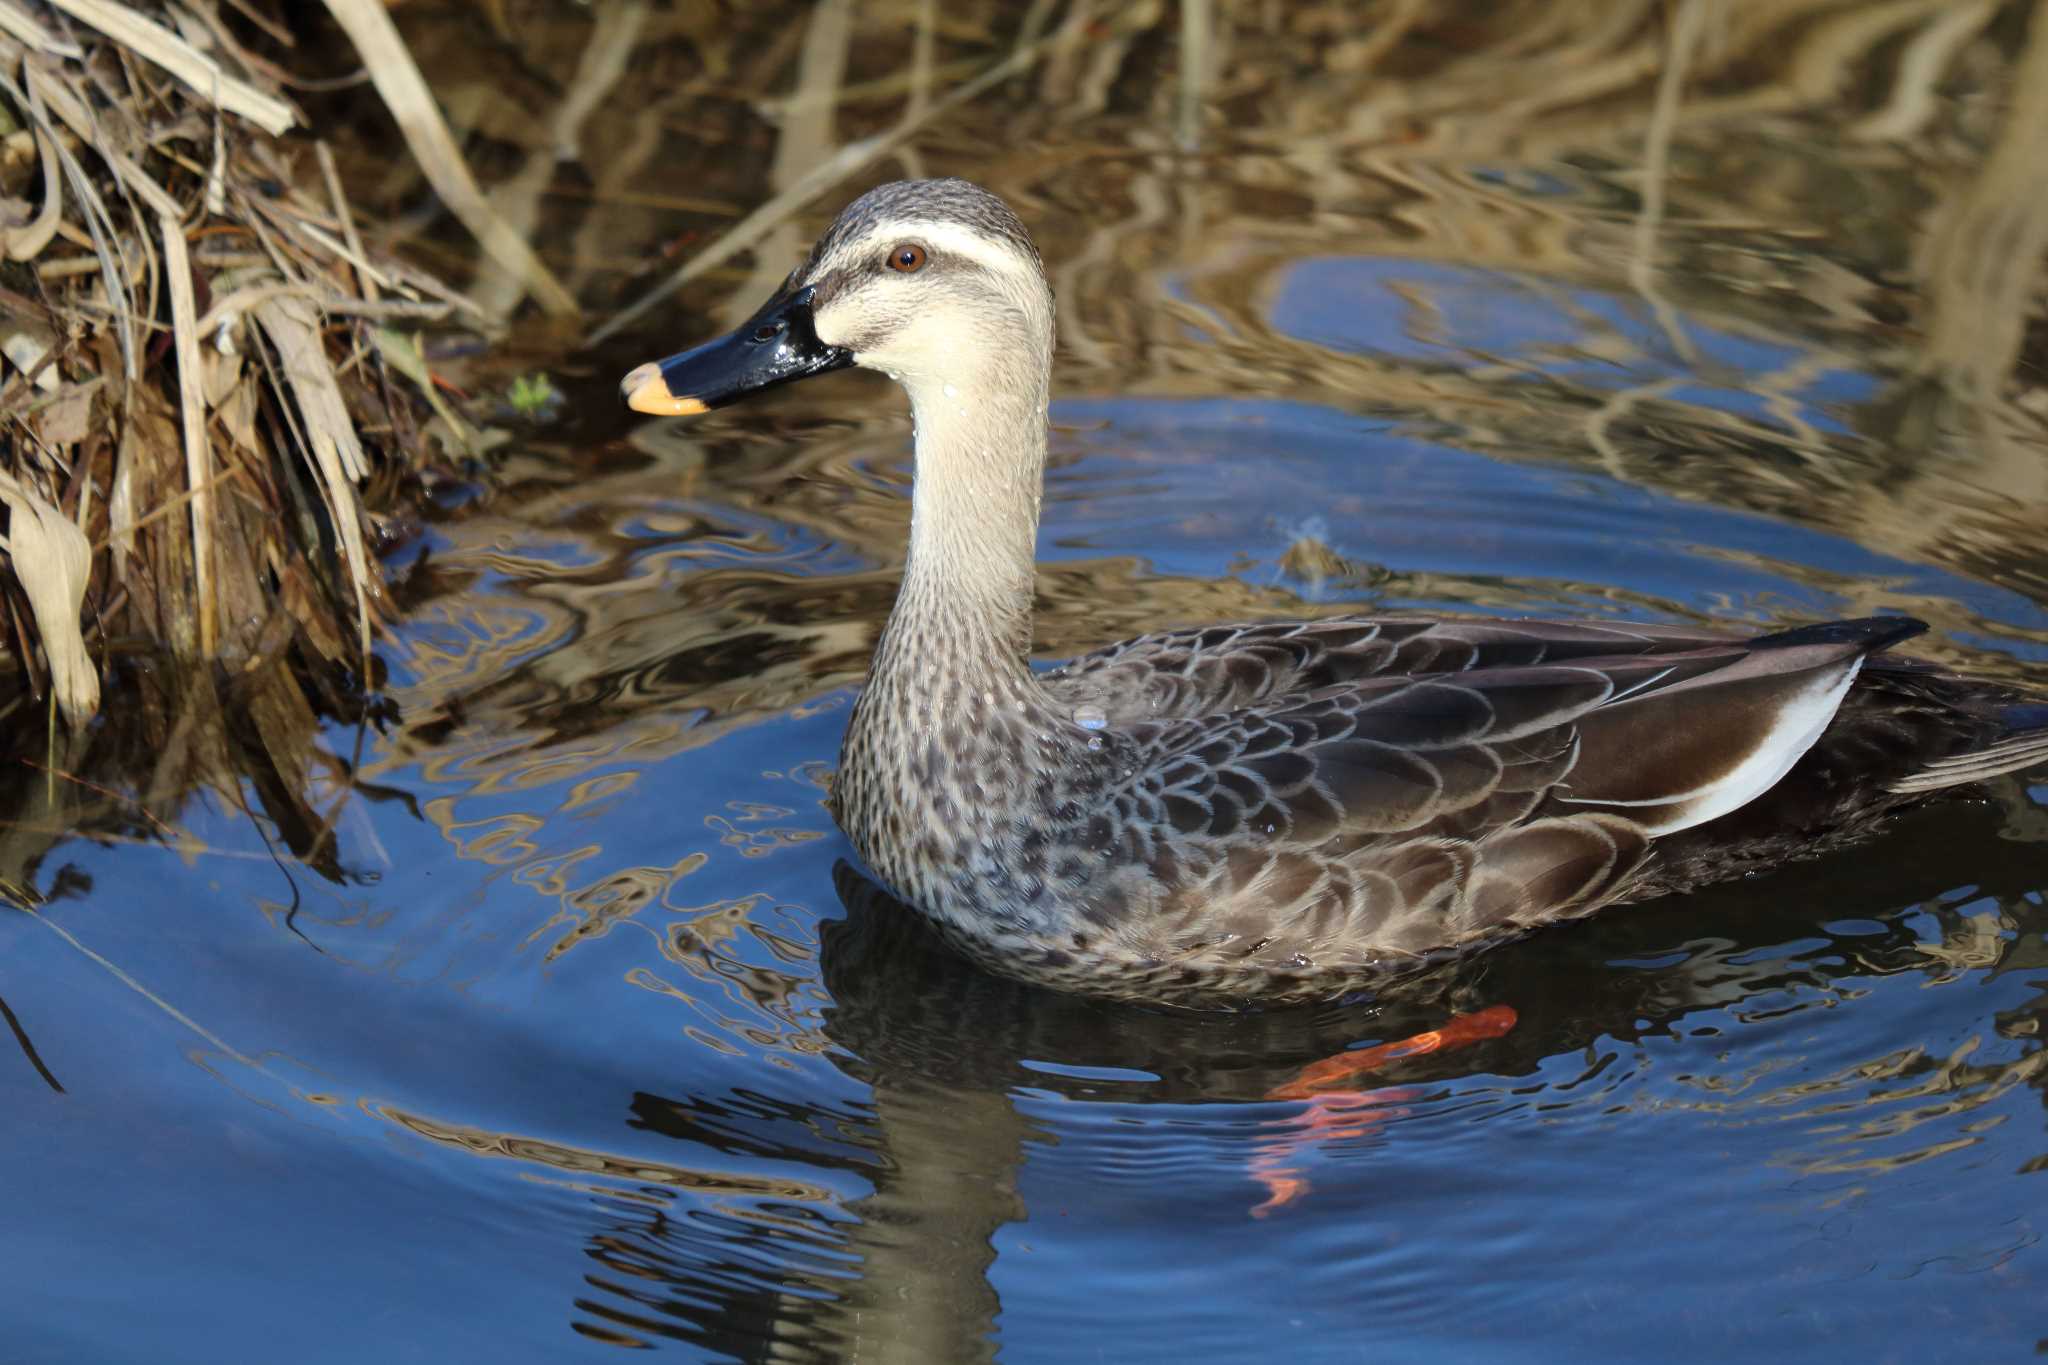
(932, 344)
(860, 327)
(834, 335)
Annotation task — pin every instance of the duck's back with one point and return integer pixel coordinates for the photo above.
(1214, 670)
(1260, 810)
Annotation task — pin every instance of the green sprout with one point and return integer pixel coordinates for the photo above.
(532, 395)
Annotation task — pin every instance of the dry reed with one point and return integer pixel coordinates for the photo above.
(192, 400)
(198, 406)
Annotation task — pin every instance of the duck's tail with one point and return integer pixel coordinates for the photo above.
(2019, 742)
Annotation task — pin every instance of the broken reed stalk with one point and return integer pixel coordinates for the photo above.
(158, 372)
(192, 409)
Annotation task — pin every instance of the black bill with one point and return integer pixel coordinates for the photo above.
(776, 345)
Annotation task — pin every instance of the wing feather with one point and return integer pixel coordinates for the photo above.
(1195, 673)
(1520, 773)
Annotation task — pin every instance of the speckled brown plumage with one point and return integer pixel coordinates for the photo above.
(1285, 811)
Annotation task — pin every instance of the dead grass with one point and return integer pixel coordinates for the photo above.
(208, 381)
(192, 398)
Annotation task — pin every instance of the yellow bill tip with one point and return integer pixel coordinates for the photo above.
(646, 391)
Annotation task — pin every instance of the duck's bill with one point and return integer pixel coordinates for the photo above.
(776, 345)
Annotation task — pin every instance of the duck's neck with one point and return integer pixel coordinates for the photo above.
(965, 604)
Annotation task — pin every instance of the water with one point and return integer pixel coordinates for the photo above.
(540, 1014)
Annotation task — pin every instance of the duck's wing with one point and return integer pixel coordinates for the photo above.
(1907, 731)
(1188, 674)
(1404, 813)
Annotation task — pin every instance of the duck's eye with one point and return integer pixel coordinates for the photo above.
(907, 257)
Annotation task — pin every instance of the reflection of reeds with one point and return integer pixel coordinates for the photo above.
(1721, 158)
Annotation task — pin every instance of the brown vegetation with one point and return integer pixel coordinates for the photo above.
(200, 383)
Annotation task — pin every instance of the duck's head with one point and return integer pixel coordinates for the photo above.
(933, 282)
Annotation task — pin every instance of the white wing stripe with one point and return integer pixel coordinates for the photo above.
(1800, 723)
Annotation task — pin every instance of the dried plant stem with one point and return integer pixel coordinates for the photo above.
(366, 275)
(138, 35)
(24, 27)
(122, 530)
(168, 830)
(27, 243)
(93, 208)
(192, 412)
(406, 95)
(242, 300)
(213, 1039)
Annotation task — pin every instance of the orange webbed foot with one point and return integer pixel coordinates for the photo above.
(1337, 1111)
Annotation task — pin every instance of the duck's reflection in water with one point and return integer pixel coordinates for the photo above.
(894, 1263)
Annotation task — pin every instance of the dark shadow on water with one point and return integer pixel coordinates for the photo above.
(947, 1051)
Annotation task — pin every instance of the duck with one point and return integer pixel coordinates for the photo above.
(1273, 812)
